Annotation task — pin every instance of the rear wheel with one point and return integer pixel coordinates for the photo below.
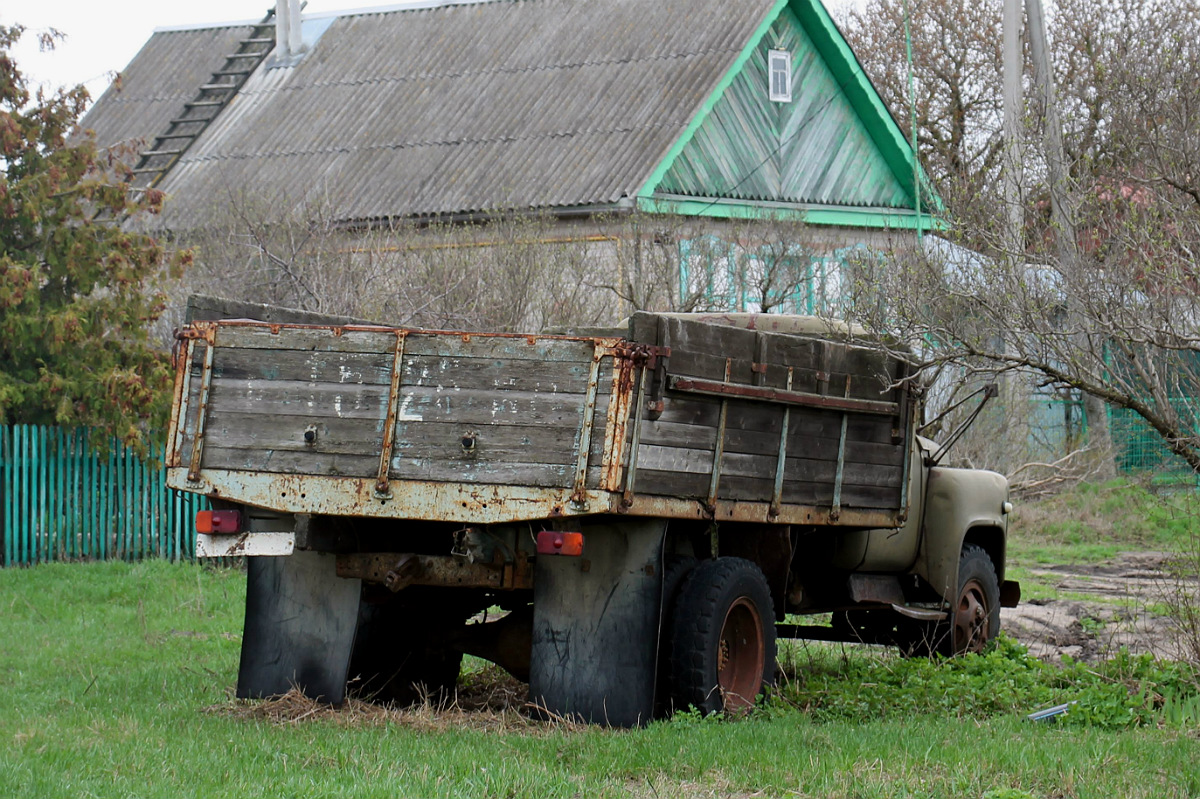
(722, 637)
(402, 656)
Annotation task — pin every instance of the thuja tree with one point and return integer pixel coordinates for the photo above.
(77, 283)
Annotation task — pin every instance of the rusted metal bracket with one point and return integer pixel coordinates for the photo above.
(695, 385)
(635, 441)
(382, 491)
(183, 391)
(398, 570)
(579, 496)
(781, 461)
(719, 447)
(836, 511)
(201, 414)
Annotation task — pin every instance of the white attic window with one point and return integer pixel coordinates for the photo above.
(779, 64)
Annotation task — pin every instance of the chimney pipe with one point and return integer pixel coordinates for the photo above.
(287, 28)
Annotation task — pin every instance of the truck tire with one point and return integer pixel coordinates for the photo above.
(676, 568)
(974, 614)
(722, 637)
(401, 658)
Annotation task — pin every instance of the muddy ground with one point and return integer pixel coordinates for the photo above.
(1112, 610)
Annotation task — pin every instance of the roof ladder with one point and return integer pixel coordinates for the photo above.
(210, 99)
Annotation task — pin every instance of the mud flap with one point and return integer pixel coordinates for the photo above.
(595, 626)
(299, 631)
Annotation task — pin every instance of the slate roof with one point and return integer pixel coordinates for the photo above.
(450, 109)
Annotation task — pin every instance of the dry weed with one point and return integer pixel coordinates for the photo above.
(489, 700)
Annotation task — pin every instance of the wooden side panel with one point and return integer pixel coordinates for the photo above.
(678, 446)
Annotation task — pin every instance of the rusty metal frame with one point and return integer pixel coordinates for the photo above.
(620, 402)
(398, 570)
(635, 440)
(335, 495)
(713, 388)
(183, 388)
(389, 426)
(719, 446)
(585, 430)
(201, 415)
(781, 462)
(840, 473)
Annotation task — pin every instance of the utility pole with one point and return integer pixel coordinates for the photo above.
(1014, 389)
(1064, 226)
(1014, 241)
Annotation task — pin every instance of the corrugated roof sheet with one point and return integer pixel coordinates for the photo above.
(462, 108)
(163, 76)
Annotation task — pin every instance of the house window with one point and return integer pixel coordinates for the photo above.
(779, 64)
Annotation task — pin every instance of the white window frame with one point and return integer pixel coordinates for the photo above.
(779, 63)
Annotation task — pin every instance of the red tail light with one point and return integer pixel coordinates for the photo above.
(219, 521)
(552, 542)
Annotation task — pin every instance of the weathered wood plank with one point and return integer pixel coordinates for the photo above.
(420, 441)
(315, 463)
(853, 496)
(695, 487)
(315, 339)
(796, 469)
(449, 345)
(493, 443)
(283, 398)
(517, 348)
(767, 418)
(550, 377)
(541, 475)
(203, 307)
(668, 434)
(291, 462)
(354, 436)
(278, 398)
(332, 368)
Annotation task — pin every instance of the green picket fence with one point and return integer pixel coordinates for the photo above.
(61, 499)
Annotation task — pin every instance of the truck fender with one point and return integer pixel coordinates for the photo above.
(299, 627)
(595, 625)
(961, 506)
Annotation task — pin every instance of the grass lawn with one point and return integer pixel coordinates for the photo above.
(116, 679)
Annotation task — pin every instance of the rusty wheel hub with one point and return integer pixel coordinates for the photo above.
(971, 619)
(741, 655)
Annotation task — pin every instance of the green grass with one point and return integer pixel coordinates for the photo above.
(107, 671)
(1092, 523)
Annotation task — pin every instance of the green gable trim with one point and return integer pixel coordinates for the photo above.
(832, 46)
(873, 218)
(657, 175)
(814, 149)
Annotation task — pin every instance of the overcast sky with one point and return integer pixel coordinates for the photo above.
(103, 37)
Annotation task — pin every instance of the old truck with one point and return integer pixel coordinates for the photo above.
(626, 518)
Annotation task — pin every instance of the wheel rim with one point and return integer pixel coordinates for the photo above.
(971, 619)
(741, 653)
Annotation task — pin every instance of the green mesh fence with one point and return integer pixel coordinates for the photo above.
(1058, 425)
(1138, 448)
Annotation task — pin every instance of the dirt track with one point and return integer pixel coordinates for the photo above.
(1091, 629)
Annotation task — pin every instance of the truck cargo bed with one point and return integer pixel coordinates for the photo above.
(681, 417)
